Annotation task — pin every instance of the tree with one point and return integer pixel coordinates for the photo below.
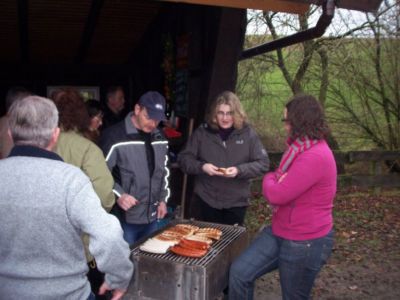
(365, 95)
(295, 62)
(330, 68)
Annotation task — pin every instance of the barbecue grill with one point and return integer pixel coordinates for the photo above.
(169, 276)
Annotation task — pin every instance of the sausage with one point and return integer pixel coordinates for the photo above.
(193, 244)
(199, 238)
(215, 231)
(180, 230)
(209, 235)
(187, 226)
(222, 170)
(196, 253)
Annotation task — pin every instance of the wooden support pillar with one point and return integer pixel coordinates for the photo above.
(230, 33)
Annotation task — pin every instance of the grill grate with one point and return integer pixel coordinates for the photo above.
(229, 234)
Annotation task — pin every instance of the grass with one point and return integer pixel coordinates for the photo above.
(366, 257)
(359, 215)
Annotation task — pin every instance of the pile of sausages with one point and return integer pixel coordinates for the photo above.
(191, 248)
(183, 239)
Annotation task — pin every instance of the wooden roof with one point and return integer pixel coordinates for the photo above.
(73, 31)
(101, 31)
(290, 6)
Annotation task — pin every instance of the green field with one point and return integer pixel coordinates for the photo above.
(353, 84)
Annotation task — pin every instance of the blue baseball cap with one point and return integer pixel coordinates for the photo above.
(155, 105)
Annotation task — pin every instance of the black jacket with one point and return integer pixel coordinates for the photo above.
(243, 149)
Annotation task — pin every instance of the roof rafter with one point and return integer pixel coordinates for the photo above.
(90, 26)
(22, 7)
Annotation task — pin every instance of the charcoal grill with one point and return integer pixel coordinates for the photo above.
(169, 276)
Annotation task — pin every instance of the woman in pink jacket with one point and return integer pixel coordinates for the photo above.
(301, 192)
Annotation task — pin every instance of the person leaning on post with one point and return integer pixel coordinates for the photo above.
(301, 192)
(45, 206)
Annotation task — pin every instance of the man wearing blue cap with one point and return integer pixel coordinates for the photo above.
(136, 152)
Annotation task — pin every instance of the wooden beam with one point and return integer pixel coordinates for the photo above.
(90, 26)
(23, 29)
(266, 5)
(61, 72)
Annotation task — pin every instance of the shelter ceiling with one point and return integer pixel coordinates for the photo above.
(73, 31)
(101, 31)
(290, 6)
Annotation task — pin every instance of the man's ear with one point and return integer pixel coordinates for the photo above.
(137, 109)
(9, 134)
(54, 138)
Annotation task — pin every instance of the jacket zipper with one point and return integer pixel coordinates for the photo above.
(150, 202)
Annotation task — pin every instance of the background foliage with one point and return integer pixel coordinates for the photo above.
(354, 72)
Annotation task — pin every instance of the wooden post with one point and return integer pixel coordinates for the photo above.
(184, 184)
(376, 170)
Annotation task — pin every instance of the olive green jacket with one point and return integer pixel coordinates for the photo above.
(84, 154)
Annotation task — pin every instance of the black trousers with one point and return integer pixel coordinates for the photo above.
(229, 216)
(96, 279)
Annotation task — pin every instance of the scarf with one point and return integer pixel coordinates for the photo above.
(295, 147)
(225, 133)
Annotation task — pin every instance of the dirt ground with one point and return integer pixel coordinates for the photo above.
(365, 263)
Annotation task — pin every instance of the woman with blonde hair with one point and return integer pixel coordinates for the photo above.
(224, 153)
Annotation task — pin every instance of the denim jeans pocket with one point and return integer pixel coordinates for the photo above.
(312, 253)
(295, 251)
(327, 246)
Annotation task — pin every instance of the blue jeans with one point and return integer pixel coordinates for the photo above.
(298, 262)
(134, 232)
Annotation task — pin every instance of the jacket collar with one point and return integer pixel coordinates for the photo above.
(129, 127)
(33, 151)
(132, 131)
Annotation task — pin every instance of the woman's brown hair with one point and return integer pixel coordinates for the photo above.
(73, 114)
(306, 118)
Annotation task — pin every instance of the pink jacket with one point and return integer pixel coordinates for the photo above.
(303, 200)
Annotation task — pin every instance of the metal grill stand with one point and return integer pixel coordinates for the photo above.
(169, 276)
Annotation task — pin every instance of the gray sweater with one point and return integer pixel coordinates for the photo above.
(45, 205)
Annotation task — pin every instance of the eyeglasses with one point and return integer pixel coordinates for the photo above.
(222, 114)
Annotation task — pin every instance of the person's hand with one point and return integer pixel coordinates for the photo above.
(231, 172)
(161, 210)
(211, 170)
(282, 177)
(117, 294)
(126, 201)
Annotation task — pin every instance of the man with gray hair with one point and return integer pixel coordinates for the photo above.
(45, 206)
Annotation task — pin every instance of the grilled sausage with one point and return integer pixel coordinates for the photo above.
(196, 253)
(193, 244)
(188, 226)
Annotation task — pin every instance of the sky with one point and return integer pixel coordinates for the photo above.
(342, 20)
